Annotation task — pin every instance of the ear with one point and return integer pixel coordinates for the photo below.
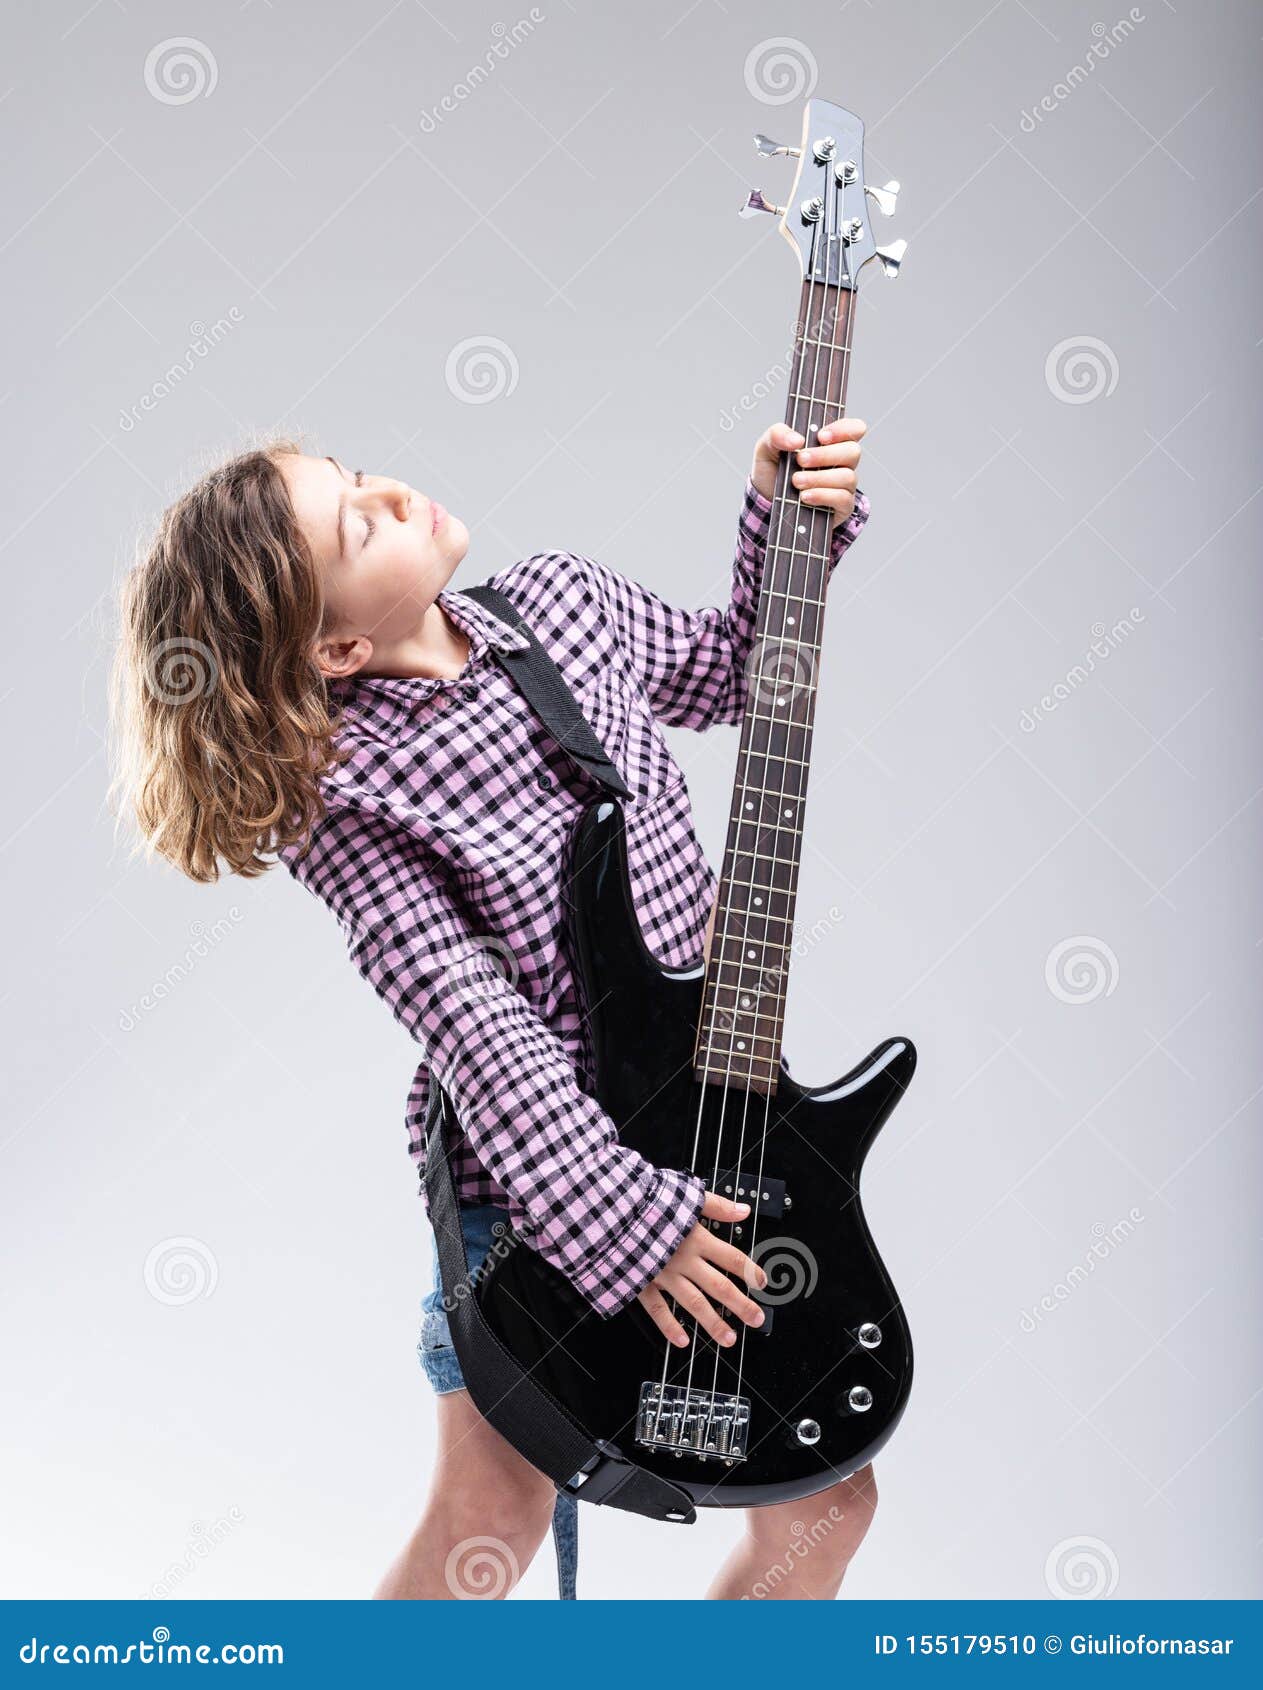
(337, 659)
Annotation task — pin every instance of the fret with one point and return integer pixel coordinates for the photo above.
(743, 1006)
(768, 857)
(799, 762)
(753, 915)
(772, 1015)
(795, 598)
(757, 886)
(776, 966)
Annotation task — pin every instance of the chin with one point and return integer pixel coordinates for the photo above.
(455, 543)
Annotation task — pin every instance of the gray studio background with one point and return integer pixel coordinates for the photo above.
(212, 1248)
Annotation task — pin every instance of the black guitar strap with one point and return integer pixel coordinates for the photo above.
(547, 691)
(517, 1405)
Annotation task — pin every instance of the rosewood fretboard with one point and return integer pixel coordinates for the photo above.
(743, 1012)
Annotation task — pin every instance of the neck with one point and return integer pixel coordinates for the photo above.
(436, 650)
(743, 1013)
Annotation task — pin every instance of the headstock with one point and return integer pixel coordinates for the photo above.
(826, 220)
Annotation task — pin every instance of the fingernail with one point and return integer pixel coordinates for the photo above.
(762, 1279)
(759, 1320)
(729, 1337)
(682, 1340)
(743, 1208)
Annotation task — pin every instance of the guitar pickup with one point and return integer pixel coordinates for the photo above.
(765, 1196)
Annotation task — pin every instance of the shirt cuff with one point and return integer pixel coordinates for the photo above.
(622, 1271)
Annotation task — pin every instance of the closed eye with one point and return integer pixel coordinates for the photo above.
(370, 527)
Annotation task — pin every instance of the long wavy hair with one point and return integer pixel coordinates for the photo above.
(222, 722)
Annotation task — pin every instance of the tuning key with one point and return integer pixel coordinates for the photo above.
(757, 202)
(892, 256)
(884, 198)
(769, 148)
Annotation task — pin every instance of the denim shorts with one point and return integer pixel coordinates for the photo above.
(482, 1224)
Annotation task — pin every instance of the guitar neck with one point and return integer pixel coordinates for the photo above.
(743, 1012)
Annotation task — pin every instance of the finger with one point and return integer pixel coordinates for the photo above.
(659, 1311)
(782, 438)
(727, 1292)
(717, 1208)
(842, 428)
(731, 1260)
(704, 1313)
(825, 478)
(837, 453)
(830, 498)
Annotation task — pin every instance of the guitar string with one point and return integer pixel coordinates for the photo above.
(775, 523)
(760, 825)
(743, 790)
(805, 726)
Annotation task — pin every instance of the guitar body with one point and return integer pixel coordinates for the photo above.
(795, 1406)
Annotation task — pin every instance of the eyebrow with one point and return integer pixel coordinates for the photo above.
(341, 510)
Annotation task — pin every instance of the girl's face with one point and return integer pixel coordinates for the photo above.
(383, 551)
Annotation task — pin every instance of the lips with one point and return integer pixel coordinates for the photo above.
(438, 516)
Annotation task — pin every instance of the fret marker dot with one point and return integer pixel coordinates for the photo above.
(750, 953)
(787, 812)
(749, 806)
(741, 1044)
(758, 903)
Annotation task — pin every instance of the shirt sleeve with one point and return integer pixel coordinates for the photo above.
(591, 1206)
(692, 662)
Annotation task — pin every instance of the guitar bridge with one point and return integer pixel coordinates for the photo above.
(704, 1422)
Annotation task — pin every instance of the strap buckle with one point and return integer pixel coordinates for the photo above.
(604, 1476)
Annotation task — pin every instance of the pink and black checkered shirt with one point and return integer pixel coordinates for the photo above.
(441, 856)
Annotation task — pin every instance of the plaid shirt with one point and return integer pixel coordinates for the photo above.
(441, 853)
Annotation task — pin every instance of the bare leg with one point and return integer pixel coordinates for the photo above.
(487, 1513)
(799, 1551)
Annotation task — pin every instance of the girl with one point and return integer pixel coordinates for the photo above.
(297, 682)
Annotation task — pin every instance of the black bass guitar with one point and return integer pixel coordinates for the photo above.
(688, 1062)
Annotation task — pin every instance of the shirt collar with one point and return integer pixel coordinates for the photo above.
(386, 704)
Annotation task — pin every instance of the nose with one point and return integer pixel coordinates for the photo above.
(395, 495)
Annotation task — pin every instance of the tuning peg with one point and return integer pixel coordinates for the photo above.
(884, 198)
(756, 203)
(769, 148)
(892, 256)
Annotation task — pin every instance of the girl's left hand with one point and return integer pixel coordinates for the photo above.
(826, 469)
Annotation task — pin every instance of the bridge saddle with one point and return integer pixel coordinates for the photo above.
(690, 1418)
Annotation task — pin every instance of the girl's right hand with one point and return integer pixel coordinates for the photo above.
(697, 1277)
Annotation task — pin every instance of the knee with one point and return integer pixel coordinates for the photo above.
(516, 1507)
